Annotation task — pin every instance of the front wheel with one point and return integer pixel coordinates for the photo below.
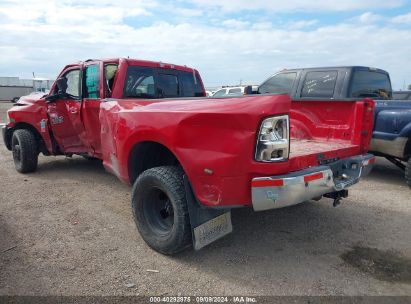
(160, 209)
(25, 151)
(408, 172)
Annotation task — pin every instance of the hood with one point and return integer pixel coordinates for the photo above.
(31, 98)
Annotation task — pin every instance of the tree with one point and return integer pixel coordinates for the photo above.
(409, 87)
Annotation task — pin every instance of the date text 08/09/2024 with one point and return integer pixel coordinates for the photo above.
(203, 299)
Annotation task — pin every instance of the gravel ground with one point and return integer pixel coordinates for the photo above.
(67, 229)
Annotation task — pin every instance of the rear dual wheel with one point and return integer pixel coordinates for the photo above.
(160, 209)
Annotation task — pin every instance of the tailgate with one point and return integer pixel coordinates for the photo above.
(325, 131)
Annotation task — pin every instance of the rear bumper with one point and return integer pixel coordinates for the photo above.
(285, 190)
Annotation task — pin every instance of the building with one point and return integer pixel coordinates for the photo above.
(12, 88)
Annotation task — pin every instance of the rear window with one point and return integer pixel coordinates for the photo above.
(371, 84)
(139, 83)
(148, 82)
(191, 86)
(168, 86)
(278, 84)
(319, 84)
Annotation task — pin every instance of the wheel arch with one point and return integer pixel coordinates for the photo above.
(31, 128)
(149, 154)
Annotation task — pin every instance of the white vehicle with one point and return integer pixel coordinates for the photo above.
(229, 91)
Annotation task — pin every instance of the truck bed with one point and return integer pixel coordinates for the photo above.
(326, 130)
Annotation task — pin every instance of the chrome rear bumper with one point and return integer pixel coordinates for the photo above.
(294, 188)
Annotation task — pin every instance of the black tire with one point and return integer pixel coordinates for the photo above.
(408, 172)
(160, 209)
(15, 99)
(25, 151)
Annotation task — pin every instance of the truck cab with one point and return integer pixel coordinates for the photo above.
(66, 121)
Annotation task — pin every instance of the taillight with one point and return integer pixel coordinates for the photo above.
(273, 141)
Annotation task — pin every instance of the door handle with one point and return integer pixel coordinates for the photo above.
(73, 110)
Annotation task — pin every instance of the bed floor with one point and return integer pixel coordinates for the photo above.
(300, 147)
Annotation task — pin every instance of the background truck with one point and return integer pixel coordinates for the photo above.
(392, 118)
(392, 133)
(189, 158)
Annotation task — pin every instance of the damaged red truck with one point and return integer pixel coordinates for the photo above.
(189, 158)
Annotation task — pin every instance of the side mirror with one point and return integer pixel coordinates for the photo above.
(62, 85)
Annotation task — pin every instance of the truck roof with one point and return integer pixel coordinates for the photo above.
(139, 62)
(338, 67)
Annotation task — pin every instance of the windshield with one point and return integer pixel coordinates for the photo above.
(371, 84)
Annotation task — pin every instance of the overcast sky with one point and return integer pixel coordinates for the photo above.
(227, 41)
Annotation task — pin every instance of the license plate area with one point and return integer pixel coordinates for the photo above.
(212, 230)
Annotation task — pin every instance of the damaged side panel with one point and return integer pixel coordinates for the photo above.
(215, 148)
(32, 113)
(109, 113)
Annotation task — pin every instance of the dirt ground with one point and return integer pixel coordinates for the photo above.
(67, 229)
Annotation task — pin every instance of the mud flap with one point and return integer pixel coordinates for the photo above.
(207, 224)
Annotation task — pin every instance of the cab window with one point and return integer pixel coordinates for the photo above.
(92, 80)
(371, 84)
(191, 85)
(73, 83)
(278, 84)
(140, 83)
(319, 84)
(110, 71)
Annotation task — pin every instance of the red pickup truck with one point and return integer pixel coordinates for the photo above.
(189, 158)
